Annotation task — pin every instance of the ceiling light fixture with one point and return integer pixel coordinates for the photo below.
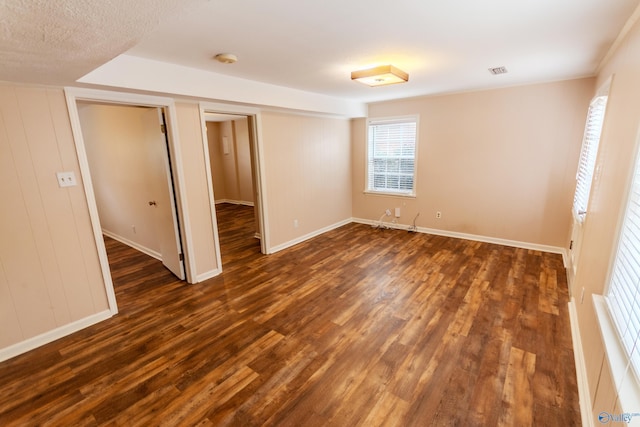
(226, 58)
(380, 76)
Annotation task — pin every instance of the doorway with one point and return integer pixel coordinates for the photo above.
(231, 144)
(168, 108)
(127, 153)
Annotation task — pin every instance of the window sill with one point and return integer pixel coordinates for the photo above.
(622, 374)
(381, 193)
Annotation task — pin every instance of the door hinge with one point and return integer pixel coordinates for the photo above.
(163, 128)
(181, 256)
(571, 245)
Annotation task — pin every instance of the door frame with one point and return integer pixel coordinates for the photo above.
(73, 95)
(255, 131)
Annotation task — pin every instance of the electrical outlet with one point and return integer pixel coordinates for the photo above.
(388, 212)
(295, 223)
(66, 179)
(438, 215)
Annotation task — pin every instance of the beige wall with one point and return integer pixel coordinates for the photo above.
(49, 269)
(243, 160)
(497, 163)
(197, 193)
(229, 164)
(231, 172)
(121, 150)
(308, 174)
(608, 196)
(216, 160)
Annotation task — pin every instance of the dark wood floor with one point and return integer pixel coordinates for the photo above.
(355, 327)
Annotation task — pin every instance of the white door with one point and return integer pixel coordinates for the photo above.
(586, 174)
(161, 199)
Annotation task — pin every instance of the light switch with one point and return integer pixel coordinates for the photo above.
(66, 179)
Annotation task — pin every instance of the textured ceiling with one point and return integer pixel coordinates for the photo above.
(58, 41)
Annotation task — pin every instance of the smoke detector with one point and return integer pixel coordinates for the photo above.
(498, 70)
(226, 58)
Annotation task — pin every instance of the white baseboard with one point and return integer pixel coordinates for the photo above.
(308, 236)
(52, 335)
(581, 368)
(474, 237)
(234, 202)
(445, 233)
(133, 244)
(207, 275)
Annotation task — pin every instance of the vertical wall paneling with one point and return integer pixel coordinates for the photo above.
(69, 159)
(49, 275)
(65, 253)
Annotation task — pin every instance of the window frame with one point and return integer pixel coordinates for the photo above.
(620, 254)
(368, 189)
(587, 160)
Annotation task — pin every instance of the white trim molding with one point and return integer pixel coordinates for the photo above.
(235, 202)
(618, 365)
(308, 236)
(52, 335)
(134, 245)
(474, 237)
(581, 367)
(208, 275)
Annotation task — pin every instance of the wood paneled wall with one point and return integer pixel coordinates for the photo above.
(49, 270)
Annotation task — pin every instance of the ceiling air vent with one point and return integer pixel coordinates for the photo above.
(498, 70)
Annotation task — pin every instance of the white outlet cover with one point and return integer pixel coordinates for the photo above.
(66, 179)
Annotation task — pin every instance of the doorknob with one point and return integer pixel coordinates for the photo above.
(152, 203)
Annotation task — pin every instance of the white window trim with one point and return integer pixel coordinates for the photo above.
(628, 392)
(584, 178)
(625, 378)
(390, 120)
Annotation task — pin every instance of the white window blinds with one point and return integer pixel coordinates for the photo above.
(590, 142)
(391, 155)
(623, 297)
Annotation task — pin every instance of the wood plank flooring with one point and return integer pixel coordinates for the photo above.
(356, 327)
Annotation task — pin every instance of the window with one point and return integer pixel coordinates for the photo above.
(623, 296)
(590, 142)
(391, 155)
